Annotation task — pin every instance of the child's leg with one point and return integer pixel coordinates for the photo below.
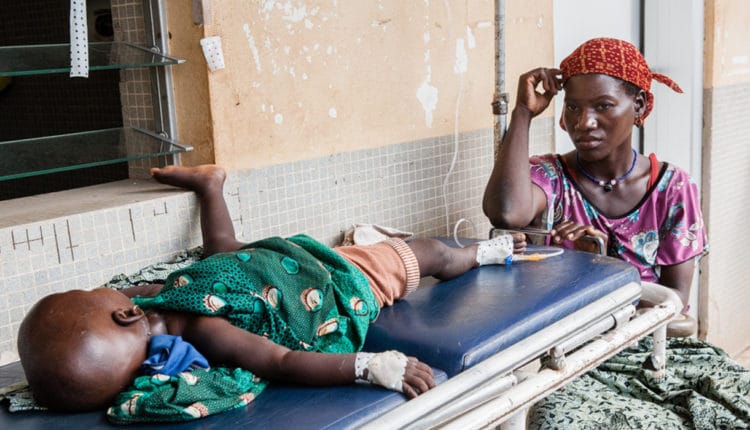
(207, 182)
(444, 262)
(440, 260)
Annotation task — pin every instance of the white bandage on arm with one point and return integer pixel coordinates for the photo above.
(498, 250)
(384, 368)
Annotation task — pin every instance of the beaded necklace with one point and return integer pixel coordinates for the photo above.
(607, 185)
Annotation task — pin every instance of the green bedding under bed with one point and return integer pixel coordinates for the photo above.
(703, 389)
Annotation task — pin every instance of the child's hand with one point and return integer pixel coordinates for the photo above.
(580, 235)
(394, 371)
(418, 378)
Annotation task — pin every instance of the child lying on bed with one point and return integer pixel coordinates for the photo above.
(284, 309)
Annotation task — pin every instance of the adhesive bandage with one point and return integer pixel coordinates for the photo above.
(498, 250)
(384, 368)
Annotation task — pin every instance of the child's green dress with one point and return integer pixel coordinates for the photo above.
(297, 292)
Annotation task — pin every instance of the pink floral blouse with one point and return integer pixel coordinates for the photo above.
(665, 228)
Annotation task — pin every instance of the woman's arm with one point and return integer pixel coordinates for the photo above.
(687, 235)
(511, 200)
(225, 344)
(680, 278)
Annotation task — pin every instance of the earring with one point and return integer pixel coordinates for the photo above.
(638, 121)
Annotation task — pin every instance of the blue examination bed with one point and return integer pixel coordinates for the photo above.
(475, 331)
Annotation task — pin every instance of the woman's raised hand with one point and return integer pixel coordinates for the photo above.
(529, 95)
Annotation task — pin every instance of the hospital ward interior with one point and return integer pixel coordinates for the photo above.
(148, 146)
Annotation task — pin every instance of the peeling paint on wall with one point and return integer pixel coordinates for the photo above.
(427, 94)
(739, 65)
(294, 14)
(470, 39)
(271, 52)
(428, 97)
(253, 48)
(462, 60)
(304, 64)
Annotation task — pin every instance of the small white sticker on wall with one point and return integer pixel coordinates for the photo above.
(212, 51)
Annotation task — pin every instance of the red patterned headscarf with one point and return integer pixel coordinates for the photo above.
(616, 58)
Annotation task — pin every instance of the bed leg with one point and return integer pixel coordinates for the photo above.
(517, 421)
(658, 359)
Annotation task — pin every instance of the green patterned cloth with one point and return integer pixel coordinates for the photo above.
(703, 389)
(297, 292)
(155, 273)
(185, 397)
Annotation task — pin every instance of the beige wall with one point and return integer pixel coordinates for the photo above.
(727, 48)
(529, 42)
(315, 78)
(192, 103)
(724, 299)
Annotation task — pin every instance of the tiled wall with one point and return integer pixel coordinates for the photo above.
(402, 186)
(726, 186)
(83, 251)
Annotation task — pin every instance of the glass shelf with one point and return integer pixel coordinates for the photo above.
(45, 59)
(39, 156)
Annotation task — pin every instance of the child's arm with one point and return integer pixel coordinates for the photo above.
(223, 343)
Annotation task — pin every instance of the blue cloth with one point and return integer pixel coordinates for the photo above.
(170, 355)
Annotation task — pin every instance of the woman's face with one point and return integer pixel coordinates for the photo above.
(599, 114)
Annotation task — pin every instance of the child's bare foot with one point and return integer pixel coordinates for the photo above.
(198, 178)
(519, 242)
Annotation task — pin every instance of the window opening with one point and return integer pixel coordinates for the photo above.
(56, 132)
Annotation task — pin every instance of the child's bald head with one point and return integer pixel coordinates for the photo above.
(79, 349)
